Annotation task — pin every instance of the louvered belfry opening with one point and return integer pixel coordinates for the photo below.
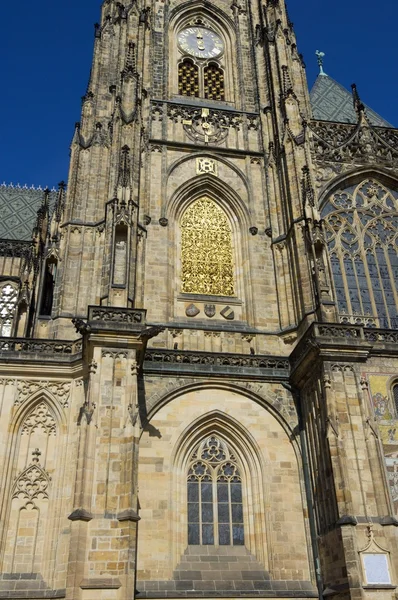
(188, 79)
(213, 77)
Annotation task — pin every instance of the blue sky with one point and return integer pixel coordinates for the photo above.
(45, 58)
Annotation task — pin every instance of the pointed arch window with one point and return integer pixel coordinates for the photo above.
(215, 502)
(362, 234)
(8, 304)
(206, 250)
(188, 78)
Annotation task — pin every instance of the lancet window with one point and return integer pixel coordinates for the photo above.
(215, 499)
(206, 250)
(8, 304)
(362, 234)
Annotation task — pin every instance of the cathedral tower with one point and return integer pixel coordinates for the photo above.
(198, 394)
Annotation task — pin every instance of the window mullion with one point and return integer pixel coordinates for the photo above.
(200, 514)
(346, 257)
(383, 292)
(215, 510)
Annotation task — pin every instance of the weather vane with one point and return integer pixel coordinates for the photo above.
(321, 56)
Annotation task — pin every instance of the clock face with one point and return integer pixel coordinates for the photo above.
(200, 42)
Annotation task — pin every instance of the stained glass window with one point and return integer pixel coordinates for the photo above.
(206, 250)
(215, 498)
(362, 234)
(8, 303)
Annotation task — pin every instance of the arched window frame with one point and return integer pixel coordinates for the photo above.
(362, 296)
(234, 202)
(254, 474)
(224, 27)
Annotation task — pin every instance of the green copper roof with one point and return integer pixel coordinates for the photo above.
(18, 211)
(332, 102)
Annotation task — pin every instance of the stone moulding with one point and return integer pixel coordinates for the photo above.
(128, 515)
(14, 248)
(163, 361)
(56, 348)
(101, 583)
(358, 144)
(116, 315)
(81, 514)
(350, 343)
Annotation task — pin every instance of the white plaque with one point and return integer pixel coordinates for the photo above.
(376, 569)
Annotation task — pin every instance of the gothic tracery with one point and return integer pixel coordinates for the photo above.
(215, 509)
(362, 234)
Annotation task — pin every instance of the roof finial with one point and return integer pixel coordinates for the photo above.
(358, 104)
(321, 56)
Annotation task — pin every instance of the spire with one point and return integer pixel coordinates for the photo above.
(331, 101)
(358, 105)
(321, 56)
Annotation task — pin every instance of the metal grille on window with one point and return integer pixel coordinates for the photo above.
(8, 303)
(213, 77)
(206, 250)
(362, 234)
(215, 503)
(188, 79)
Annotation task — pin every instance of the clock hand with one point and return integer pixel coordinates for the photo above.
(201, 44)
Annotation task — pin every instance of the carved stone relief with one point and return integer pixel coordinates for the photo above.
(40, 418)
(59, 389)
(33, 482)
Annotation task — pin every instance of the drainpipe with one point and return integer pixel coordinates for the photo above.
(308, 488)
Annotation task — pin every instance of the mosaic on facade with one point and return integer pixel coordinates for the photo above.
(385, 410)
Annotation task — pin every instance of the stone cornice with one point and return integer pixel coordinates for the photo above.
(165, 362)
(341, 343)
(58, 350)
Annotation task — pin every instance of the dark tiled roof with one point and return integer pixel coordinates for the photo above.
(18, 211)
(332, 102)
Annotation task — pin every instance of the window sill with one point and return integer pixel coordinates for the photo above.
(202, 102)
(379, 586)
(232, 300)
